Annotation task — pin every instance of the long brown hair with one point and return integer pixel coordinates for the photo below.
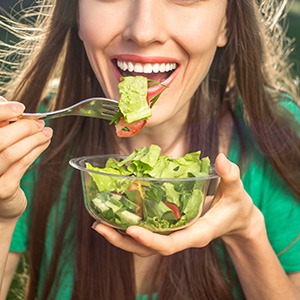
(242, 67)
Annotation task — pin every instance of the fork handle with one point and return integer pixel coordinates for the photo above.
(36, 116)
(39, 116)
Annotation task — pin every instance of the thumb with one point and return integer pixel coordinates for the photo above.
(230, 175)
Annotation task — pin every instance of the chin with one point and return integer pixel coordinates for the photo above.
(155, 122)
(151, 123)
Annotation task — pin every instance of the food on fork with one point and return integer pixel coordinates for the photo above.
(134, 105)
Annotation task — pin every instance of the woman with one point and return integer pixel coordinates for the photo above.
(224, 96)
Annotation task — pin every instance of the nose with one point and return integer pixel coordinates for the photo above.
(145, 23)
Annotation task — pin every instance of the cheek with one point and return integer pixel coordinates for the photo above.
(89, 31)
(204, 39)
(96, 25)
(203, 31)
(200, 48)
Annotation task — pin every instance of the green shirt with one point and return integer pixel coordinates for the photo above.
(270, 194)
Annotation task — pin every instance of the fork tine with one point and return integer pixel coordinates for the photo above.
(110, 106)
(108, 112)
(107, 117)
(109, 109)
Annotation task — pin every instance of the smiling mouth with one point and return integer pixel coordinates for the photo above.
(158, 72)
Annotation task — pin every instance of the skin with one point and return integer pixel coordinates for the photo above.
(190, 31)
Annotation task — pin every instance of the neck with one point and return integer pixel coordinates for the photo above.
(147, 273)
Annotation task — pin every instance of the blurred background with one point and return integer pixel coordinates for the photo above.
(294, 32)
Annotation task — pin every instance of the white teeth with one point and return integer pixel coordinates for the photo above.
(155, 68)
(146, 68)
(124, 65)
(138, 68)
(162, 68)
(130, 67)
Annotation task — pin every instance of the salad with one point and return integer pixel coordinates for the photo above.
(159, 193)
(134, 105)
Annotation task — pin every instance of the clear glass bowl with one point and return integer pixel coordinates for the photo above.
(159, 204)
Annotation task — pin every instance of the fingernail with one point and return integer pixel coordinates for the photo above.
(17, 107)
(48, 131)
(95, 225)
(39, 123)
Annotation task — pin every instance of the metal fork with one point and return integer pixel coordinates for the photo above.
(101, 108)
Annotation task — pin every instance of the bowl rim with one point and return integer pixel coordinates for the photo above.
(75, 163)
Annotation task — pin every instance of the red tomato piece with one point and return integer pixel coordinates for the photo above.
(133, 187)
(125, 129)
(175, 209)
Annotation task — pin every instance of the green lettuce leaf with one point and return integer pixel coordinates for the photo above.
(133, 98)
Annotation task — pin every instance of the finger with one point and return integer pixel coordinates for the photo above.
(163, 244)
(121, 241)
(16, 131)
(145, 243)
(3, 123)
(198, 234)
(10, 180)
(20, 149)
(10, 109)
(229, 173)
